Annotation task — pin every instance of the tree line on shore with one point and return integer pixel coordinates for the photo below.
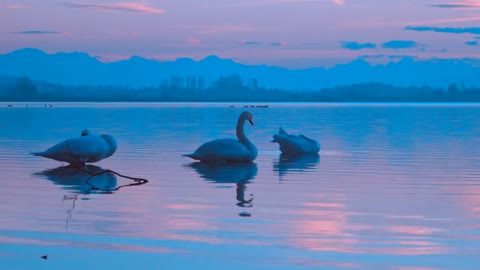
(230, 89)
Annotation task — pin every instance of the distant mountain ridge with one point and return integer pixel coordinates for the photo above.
(82, 69)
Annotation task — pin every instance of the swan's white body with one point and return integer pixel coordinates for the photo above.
(295, 144)
(228, 150)
(88, 148)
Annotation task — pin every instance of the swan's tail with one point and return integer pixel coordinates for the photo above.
(192, 156)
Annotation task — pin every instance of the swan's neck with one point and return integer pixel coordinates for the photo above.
(242, 137)
(241, 132)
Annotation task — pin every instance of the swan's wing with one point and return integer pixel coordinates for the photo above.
(88, 148)
(307, 139)
(59, 152)
(284, 138)
(223, 149)
(292, 144)
(223, 145)
(79, 149)
(315, 144)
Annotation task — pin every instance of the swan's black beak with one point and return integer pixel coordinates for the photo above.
(251, 122)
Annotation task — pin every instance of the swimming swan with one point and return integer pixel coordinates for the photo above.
(88, 148)
(295, 145)
(228, 150)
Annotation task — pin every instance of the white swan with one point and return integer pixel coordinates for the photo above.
(295, 145)
(228, 150)
(88, 148)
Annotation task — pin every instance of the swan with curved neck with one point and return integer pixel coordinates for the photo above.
(294, 145)
(88, 148)
(229, 150)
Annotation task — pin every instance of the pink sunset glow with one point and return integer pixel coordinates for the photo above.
(266, 29)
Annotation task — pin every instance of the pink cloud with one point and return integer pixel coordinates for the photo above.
(193, 41)
(15, 6)
(395, 23)
(123, 6)
(220, 29)
(246, 3)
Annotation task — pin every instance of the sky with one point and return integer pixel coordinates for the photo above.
(288, 33)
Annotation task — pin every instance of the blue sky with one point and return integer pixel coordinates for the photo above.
(290, 33)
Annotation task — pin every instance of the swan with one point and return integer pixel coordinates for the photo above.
(88, 148)
(294, 145)
(228, 150)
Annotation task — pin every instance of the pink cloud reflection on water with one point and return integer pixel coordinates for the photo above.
(413, 230)
(370, 201)
(313, 263)
(84, 244)
(414, 268)
(329, 226)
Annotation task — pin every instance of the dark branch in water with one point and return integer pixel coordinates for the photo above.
(136, 182)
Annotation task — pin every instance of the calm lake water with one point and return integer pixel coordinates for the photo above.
(395, 187)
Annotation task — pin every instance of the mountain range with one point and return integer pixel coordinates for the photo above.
(82, 69)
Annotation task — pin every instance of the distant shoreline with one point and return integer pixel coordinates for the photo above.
(233, 105)
(232, 89)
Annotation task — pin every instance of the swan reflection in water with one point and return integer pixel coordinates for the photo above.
(86, 180)
(80, 180)
(302, 163)
(235, 173)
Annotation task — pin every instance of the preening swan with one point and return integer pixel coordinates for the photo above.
(295, 145)
(88, 148)
(228, 150)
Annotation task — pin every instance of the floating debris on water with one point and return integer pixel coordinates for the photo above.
(254, 106)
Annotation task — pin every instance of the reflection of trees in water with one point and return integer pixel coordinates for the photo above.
(240, 174)
(86, 180)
